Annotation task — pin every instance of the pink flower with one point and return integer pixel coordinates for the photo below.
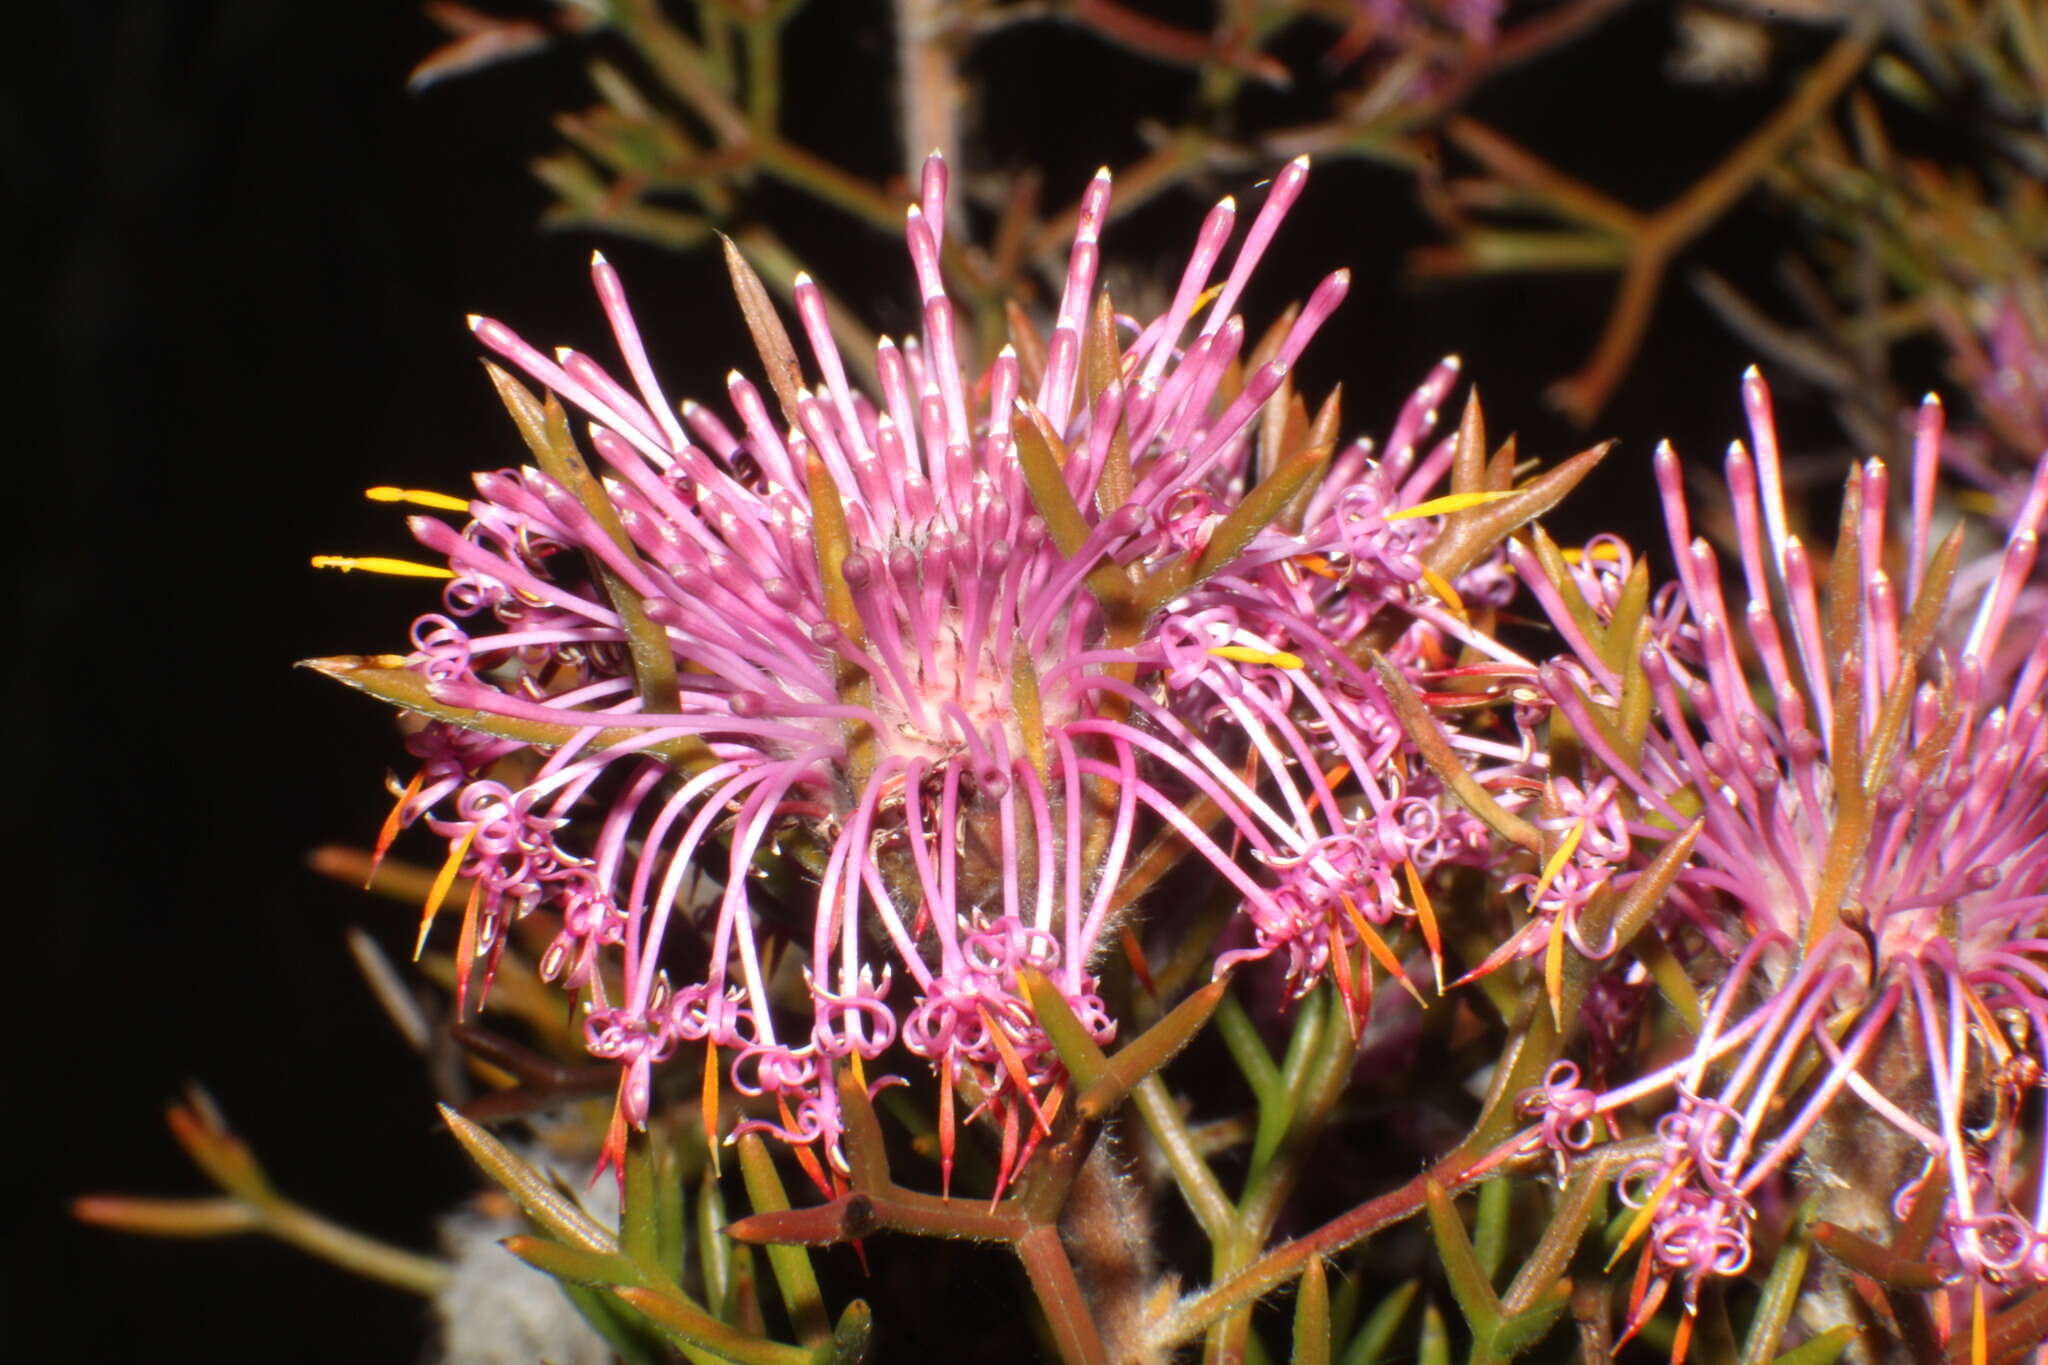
(1866, 755)
(873, 639)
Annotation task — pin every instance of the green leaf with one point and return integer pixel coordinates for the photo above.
(714, 1252)
(1312, 1316)
(1241, 1036)
(1468, 1280)
(1490, 1226)
(1517, 1333)
(385, 677)
(1879, 1262)
(1583, 1197)
(1150, 1051)
(623, 1330)
(639, 1222)
(1381, 1325)
(670, 1215)
(791, 1265)
(1781, 1290)
(537, 1195)
(1078, 1053)
(851, 1337)
(687, 1325)
(1433, 1343)
(576, 1265)
(1824, 1349)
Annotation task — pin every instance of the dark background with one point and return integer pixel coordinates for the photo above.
(246, 253)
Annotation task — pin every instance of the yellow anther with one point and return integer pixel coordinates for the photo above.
(1382, 954)
(1451, 502)
(1449, 594)
(710, 1103)
(1245, 654)
(397, 568)
(1640, 1224)
(1553, 970)
(439, 891)
(1425, 915)
(1607, 552)
(1980, 1350)
(1557, 862)
(418, 497)
(1317, 565)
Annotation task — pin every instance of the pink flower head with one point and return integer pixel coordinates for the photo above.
(1867, 758)
(890, 639)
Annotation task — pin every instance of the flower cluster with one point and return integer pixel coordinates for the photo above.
(960, 650)
(1870, 871)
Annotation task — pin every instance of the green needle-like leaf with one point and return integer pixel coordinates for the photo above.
(1781, 1291)
(1370, 1345)
(1517, 1333)
(639, 1220)
(385, 677)
(1312, 1316)
(1078, 1053)
(714, 1252)
(1149, 1051)
(791, 1265)
(1433, 1342)
(1436, 750)
(575, 1264)
(1469, 1284)
(851, 1336)
(1583, 1197)
(533, 1192)
(689, 1326)
(1490, 1226)
(1824, 1349)
(1876, 1260)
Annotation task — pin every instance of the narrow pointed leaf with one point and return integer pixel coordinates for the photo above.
(385, 677)
(1490, 1226)
(1381, 1325)
(626, 1332)
(1084, 1061)
(1781, 1291)
(1043, 456)
(851, 1336)
(1583, 1198)
(764, 324)
(1517, 1333)
(1312, 1316)
(1824, 1349)
(2011, 1335)
(1436, 750)
(714, 1251)
(1467, 1277)
(1876, 1260)
(791, 1265)
(1150, 1050)
(575, 1264)
(689, 1326)
(1433, 1342)
(533, 1192)
(1470, 536)
(639, 1222)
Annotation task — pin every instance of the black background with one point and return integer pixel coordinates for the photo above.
(246, 253)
